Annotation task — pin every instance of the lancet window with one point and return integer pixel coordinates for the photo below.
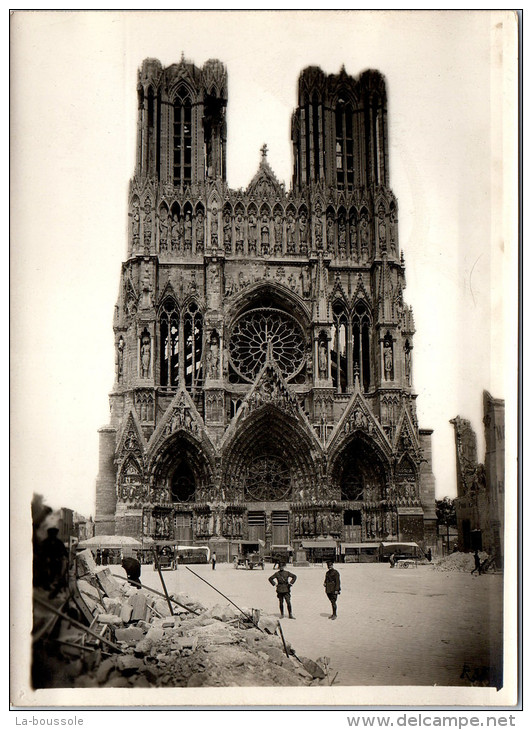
(313, 139)
(181, 341)
(169, 340)
(344, 145)
(182, 139)
(350, 356)
(193, 345)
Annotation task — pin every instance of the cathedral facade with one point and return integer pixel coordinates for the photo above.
(264, 351)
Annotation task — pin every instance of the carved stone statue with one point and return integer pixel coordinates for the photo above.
(388, 361)
(322, 360)
(306, 281)
(213, 357)
(120, 347)
(382, 228)
(291, 234)
(227, 233)
(318, 232)
(188, 231)
(145, 357)
(408, 364)
(278, 232)
(330, 233)
(200, 231)
(303, 233)
(265, 236)
(252, 234)
(175, 232)
(214, 228)
(163, 231)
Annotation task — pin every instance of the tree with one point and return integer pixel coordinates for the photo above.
(446, 514)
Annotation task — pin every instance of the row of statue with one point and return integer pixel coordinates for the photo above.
(265, 235)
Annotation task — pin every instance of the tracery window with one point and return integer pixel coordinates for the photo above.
(268, 479)
(181, 341)
(339, 349)
(344, 145)
(182, 139)
(255, 331)
(350, 354)
(193, 346)
(361, 344)
(169, 342)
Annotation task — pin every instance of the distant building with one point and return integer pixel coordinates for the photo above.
(264, 351)
(480, 487)
(84, 528)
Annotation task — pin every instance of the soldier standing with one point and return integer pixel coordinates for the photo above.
(332, 586)
(285, 581)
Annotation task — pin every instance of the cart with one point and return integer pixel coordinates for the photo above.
(405, 561)
(165, 555)
(248, 556)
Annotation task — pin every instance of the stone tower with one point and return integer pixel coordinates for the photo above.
(264, 351)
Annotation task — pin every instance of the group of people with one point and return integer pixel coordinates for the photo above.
(283, 581)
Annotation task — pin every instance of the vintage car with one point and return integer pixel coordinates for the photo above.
(249, 555)
(165, 555)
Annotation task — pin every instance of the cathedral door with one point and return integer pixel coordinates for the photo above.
(352, 525)
(257, 526)
(183, 527)
(280, 534)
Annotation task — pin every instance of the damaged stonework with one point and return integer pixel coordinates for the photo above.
(144, 643)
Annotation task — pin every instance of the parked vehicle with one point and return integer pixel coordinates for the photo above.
(249, 555)
(165, 555)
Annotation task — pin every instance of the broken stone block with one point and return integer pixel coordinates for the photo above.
(143, 647)
(154, 634)
(139, 607)
(170, 624)
(104, 670)
(312, 668)
(161, 606)
(275, 655)
(86, 563)
(267, 624)
(130, 634)
(128, 664)
(126, 612)
(87, 589)
(112, 604)
(108, 583)
(109, 618)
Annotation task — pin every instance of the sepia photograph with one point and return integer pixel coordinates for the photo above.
(264, 315)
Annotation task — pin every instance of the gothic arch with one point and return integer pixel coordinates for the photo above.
(280, 295)
(270, 431)
(359, 470)
(180, 454)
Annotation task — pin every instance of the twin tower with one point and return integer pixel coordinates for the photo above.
(264, 352)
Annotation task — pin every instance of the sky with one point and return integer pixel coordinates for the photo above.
(73, 127)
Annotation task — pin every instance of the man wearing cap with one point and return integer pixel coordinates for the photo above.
(332, 586)
(132, 568)
(54, 557)
(285, 581)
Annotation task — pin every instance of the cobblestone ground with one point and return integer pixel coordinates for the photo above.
(395, 627)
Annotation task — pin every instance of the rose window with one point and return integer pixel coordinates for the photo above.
(251, 334)
(268, 480)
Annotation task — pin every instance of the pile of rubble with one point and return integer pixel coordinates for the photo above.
(457, 562)
(145, 643)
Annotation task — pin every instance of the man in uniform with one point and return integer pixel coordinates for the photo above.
(285, 581)
(132, 568)
(332, 586)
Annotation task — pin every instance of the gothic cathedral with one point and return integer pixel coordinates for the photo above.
(264, 351)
